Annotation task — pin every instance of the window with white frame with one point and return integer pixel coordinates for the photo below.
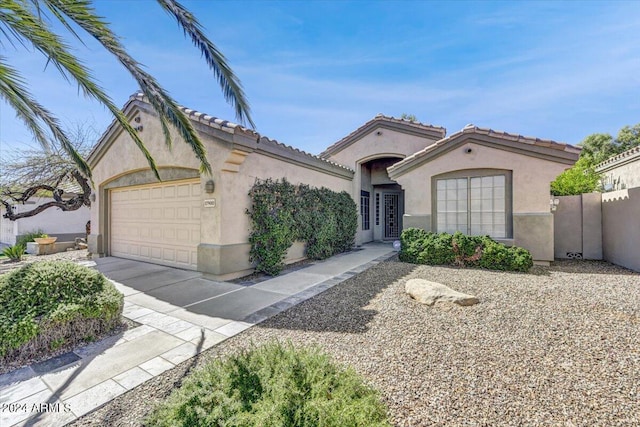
(474, 203)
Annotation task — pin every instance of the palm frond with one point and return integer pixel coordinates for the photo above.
(228, 81)
(81, 12)
(13, 91)
(17, 17)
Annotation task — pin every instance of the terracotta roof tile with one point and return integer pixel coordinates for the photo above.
(632, 152)
(230, 127)
(265, 139)
(472, 129)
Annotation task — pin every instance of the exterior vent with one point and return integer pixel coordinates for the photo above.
(574, 255)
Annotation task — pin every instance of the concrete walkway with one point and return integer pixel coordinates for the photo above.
(181, 314)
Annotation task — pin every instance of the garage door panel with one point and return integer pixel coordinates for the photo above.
(158, 223)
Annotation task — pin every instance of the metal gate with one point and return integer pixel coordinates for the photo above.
(391, 216)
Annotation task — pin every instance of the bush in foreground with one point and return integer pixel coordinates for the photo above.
(47, 305)
(422, 247)
(272, 385)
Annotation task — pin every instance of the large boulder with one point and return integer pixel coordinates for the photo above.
(429, 293)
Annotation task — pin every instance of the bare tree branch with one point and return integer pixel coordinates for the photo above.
(51, 173)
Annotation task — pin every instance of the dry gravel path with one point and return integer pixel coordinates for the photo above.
(79, 255)
(556, 347)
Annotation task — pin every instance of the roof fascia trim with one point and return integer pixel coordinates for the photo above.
(270, 149)
(437, 133)
(531, 150)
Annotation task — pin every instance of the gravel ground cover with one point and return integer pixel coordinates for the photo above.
(559, 346)
(6, 265)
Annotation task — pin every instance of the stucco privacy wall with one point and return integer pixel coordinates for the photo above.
(621, 227)
(621, 171)
(578, 226)
(531, 174)
(53, 221)
(237, 158)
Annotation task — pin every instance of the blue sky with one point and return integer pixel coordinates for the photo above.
(316, 70)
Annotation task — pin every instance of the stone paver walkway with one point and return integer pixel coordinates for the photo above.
(180, 313)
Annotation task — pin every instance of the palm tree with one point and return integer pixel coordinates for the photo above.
(23, 21)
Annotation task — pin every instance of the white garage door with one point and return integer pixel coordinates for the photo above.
(158, 223)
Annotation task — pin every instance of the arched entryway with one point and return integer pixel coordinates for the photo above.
(381, 200)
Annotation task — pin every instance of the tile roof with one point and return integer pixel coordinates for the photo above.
(201, 117)
(619, 158)
(475, 130)
(230, 127)
(470, 128)
(266, 140)
(381, 118)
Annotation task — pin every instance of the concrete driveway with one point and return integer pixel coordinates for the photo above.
(172, 290)
(180, 313)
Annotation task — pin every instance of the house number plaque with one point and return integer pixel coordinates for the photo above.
(210, 203)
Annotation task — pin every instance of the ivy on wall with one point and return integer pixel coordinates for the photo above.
(282, 213)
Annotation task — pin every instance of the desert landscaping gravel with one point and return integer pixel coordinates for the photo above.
(559, 346)
(75, 255)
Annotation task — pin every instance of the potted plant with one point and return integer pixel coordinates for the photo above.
(45, 240)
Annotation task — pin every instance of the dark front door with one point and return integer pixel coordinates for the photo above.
(391, 215)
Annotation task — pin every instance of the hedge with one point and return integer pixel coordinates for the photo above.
(282, 213)
(46, 305)
(421, 247)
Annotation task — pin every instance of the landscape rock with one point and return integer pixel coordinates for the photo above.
(429, 293)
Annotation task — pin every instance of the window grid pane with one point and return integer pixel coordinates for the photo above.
(488, 215)
(364, 209)
(451, 202)
(475, 201)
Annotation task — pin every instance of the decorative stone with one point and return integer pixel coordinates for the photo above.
(429, 293)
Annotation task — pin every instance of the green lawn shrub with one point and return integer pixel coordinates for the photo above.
(272, 385)
(49, 304)
(282, 213)
(422, 247)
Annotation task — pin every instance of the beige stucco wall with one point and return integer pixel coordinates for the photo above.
(578, 226)
(234, 199)
(53, 221)
(379, 175)
(224, 248)
(379, 143)
(124, 157)
(530, 182)
(568, 226)
(531, 177)
(621, 227)
(623, 174)
(387, 143)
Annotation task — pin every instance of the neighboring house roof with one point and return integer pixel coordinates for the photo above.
(380, 120)
(264, 144)
(631, 155)
(536, 147)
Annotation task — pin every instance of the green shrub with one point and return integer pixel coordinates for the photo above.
(282, 213)
(46, 304)
(269, 386)
(422, 247)
(14, 253)
(26, 238)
